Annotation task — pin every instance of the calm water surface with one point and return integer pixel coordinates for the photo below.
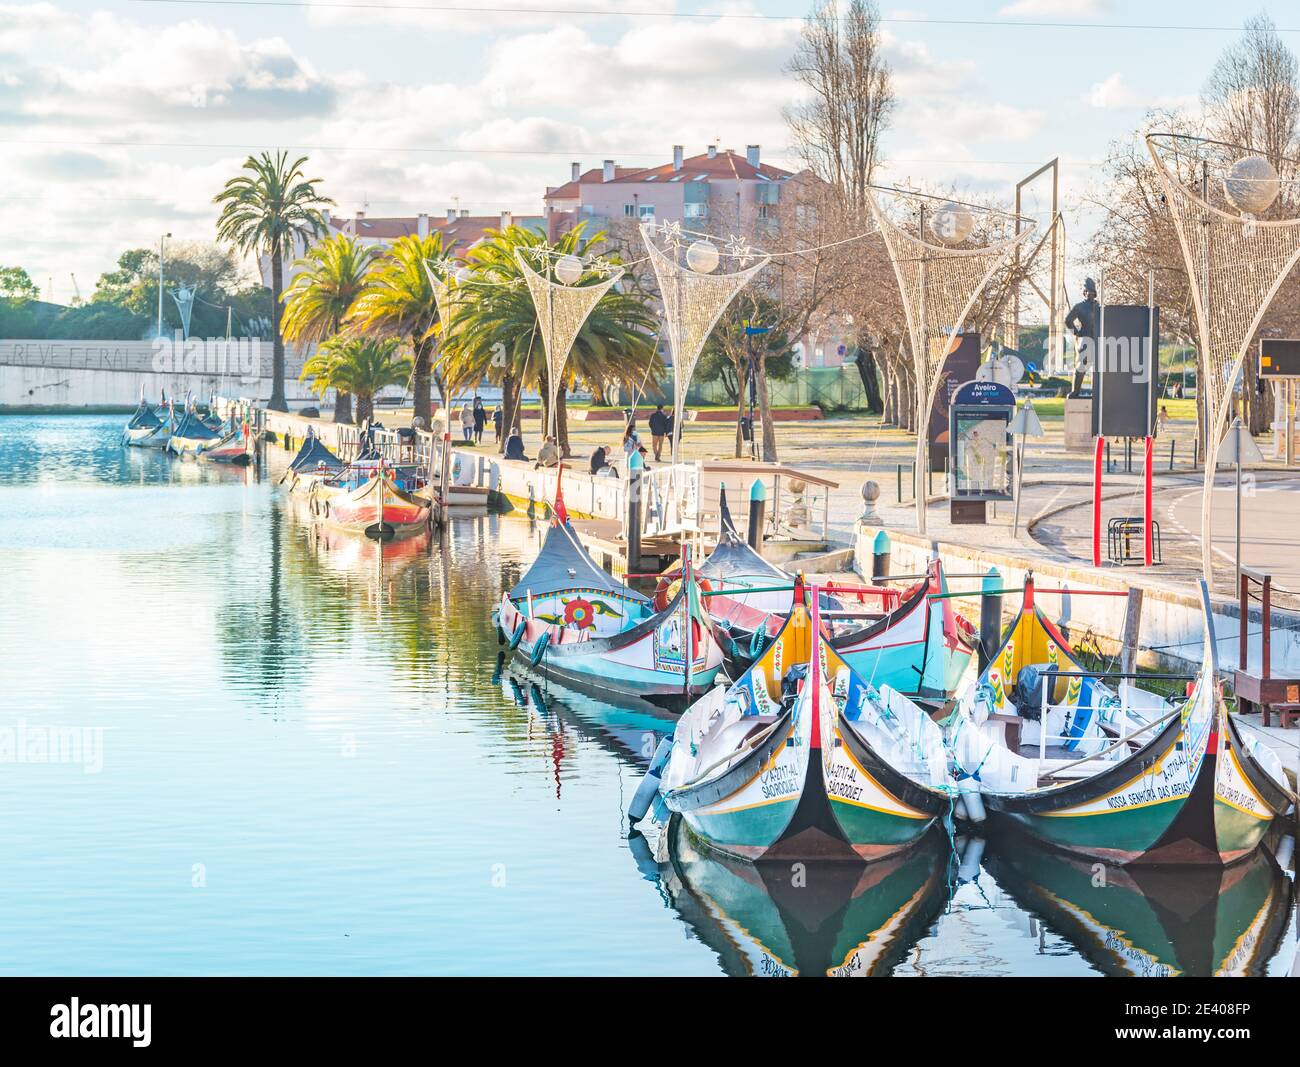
(287, 754)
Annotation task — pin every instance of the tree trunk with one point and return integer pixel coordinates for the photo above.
(365, 408)
(764, 409)
(277, 402)
(562, 421)
(865, 361)
(342, 406)
(509, 409)
(420, 377)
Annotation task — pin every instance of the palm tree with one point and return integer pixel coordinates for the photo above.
(360, 366)
(330, 278)
(398, 301)
(497, 332)
(267, 211)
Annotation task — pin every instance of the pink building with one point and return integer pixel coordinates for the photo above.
(716, 187)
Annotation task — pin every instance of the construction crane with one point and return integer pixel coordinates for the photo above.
(76, 288)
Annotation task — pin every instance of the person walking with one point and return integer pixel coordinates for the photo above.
(658, 431)
(498, 417)
(480, 420)
(467, 421)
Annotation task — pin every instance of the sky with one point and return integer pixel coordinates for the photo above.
(120, 120)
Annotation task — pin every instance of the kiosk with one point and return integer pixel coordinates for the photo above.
(983, 454)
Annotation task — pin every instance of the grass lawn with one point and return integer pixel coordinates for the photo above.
(1054, 408)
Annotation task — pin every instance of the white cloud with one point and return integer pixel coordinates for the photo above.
(1056, 9)
(1114, 93)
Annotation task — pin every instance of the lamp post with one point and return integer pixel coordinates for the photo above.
(162, 242)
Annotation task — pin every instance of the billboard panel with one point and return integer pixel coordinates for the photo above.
(1126, 371)
(959, 365)
(1279, 357)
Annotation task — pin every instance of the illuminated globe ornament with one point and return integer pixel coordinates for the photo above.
(1251, 185)
(702, 257)
(568, 269)
(952, 223)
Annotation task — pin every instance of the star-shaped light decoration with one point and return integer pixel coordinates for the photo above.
(738, 247)
(672, 234)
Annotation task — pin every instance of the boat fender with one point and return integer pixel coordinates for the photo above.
(971, 857)
(518, 635)
(539, 649)
(649, 787)
(970, 796)
(959, 809)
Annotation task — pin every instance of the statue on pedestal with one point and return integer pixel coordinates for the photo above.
(1084, 319)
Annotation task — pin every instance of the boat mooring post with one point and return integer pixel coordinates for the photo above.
(990, 616)
(1132, 630)
(444, 487)
(632, 532)
(757, 513)
(880, 551)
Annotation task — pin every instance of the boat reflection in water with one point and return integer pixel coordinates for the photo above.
(782, 919)
(1154, 922)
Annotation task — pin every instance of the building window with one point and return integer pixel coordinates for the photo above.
(629, 211)
(695, 210)
(764, 211)
(647, 212)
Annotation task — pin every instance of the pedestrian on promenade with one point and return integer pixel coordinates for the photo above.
(497, 418)
(467, 421)
(480, 420)
(658, 431)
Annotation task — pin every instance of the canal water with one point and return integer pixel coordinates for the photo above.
(230, 743)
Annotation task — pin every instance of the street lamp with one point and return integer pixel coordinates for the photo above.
(161, 245)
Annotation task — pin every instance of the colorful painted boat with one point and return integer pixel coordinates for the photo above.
(915, 643)
(1152, 922)
(803, 759)
(368, 498)
(314, 463)
(837, 920)
(146, 428)
(191, 436)
(1124, 776)
(568, 618)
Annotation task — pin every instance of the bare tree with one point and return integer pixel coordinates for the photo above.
(1252, 98)
(849, 96)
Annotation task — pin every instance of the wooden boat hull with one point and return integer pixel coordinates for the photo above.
(1192, 795)
(146, 436)
(376, 509)
(644, 661)
(191, 446)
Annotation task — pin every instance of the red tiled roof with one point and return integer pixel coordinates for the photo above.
(726, 166)
(595, 176)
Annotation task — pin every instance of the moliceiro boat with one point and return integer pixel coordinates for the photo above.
(192, 436)
(912, 641)
(314, 463)
(570, 619)
(1121, 775)
(802, 758)
(370, 498)
(146, 428)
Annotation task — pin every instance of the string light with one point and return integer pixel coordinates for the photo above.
(939, 285)
(1235, 264)
(563, 306)
(694, 297)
